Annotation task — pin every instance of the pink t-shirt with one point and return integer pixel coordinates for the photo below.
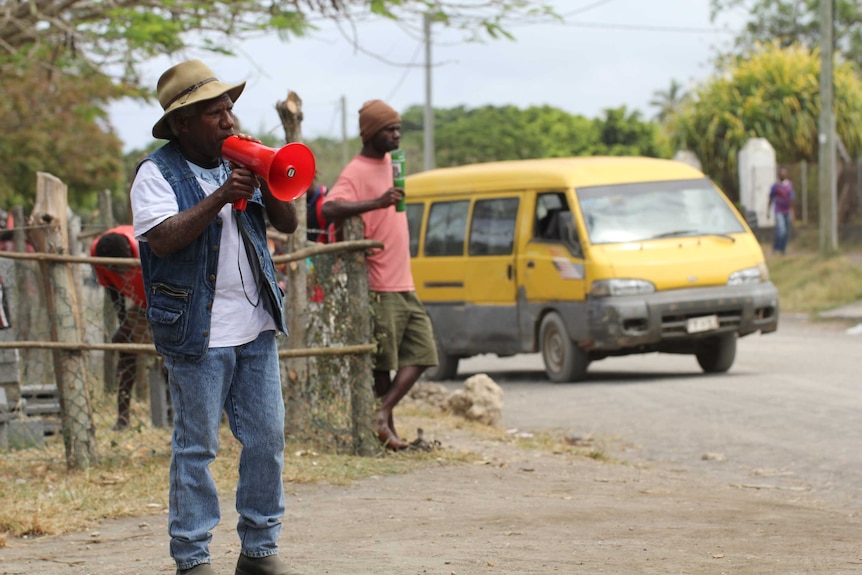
(366, 179)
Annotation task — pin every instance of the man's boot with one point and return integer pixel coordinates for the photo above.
(269, 565)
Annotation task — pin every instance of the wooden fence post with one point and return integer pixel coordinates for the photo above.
(296, 302)
(48, 234)
(109, 365)
(363, 403)
(30, 315)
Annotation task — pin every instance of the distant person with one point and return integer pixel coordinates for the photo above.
(781, 197)
(125, 286)
(405, 340)
(316, 224)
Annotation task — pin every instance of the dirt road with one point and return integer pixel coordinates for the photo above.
(515, 512)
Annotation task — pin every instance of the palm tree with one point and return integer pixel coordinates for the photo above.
(668, 101)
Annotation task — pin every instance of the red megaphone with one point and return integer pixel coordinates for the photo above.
(289, 170)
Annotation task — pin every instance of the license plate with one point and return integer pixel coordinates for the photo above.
(699, 324)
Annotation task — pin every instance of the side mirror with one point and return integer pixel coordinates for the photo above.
(569, 233)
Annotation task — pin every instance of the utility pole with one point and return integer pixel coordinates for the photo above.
(428, 118)
(827, 186)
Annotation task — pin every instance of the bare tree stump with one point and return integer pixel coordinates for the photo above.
(296, 304)
(48, 234)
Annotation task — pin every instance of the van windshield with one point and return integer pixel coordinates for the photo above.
(652, 210)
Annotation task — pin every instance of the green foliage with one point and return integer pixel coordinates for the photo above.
(117, 35)
(808, 283)
(771, 93)
(791, 22)
(57, 57)
(331, 157)
(668, 102)
(489, 133)
(56, 123)
(623, 133)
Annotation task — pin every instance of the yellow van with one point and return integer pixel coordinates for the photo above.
(584, 258)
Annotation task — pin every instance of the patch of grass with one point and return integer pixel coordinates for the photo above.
(561, 443)
(808, 283)
(40, 496)
(551, 441)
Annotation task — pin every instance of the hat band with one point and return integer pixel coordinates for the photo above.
(188, 91)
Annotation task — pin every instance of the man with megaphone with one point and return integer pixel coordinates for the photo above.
(214, 309)
(402, 329)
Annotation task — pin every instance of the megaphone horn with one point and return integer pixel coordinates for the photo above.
(288, 171)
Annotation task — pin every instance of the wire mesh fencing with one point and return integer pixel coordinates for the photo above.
(78, 377)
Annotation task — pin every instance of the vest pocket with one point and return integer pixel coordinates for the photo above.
(167, 312)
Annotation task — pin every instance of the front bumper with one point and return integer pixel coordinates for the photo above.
(660, 319)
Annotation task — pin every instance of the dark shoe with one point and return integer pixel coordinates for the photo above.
(120, 426)
(202, 569)
(269, 565)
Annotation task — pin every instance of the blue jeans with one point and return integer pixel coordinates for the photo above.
(243, 381)
(782, 233)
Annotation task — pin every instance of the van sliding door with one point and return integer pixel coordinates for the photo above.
(490, 283)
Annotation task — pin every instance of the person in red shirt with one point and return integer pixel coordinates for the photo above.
(402, 328)
(125, 286)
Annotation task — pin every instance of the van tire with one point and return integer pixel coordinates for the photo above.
(564, 360)
(716, 354)
(446, 368)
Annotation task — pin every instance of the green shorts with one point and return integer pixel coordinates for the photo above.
(403, 331)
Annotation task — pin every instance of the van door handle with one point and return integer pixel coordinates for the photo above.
(509, 271)
(531, 264)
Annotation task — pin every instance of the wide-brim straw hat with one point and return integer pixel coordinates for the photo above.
(185, 84)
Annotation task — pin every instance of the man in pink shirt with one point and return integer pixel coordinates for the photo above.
(405, 340)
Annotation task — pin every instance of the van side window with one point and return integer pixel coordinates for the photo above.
(548, 207)
(447, 228)
(492, 230)
(414, 225)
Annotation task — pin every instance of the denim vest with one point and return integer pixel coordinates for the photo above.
(181, 287)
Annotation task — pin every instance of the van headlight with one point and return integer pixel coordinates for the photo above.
(754, 275)
(620, 287)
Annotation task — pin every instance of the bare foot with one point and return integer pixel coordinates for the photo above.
(389, 439)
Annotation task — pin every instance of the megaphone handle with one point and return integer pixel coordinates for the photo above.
(240, 205)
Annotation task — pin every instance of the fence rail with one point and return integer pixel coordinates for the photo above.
(69, 361)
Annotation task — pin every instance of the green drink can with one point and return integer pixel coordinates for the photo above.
(398, 175)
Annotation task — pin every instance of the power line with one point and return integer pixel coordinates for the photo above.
(646, 28)
(585, 8)
(407, 70)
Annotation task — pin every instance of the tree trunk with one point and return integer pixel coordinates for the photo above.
(296, 304)
(48, 234)
(362, 400)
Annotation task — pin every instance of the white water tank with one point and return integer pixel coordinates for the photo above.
(757, 173)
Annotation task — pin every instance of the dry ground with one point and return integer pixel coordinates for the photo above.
(515, 511)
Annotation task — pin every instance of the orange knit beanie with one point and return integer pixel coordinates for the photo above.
(374, 116)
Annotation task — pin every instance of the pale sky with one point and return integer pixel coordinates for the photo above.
(609, 53)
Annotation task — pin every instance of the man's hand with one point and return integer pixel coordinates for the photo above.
(240, 185)
(390, 197)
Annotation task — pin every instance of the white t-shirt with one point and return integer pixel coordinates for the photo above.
(238, 314)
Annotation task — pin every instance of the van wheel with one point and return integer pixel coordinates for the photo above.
(716, 354)
(446, 368)
(564, 360)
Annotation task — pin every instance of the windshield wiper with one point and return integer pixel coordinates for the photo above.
(674, 234)
(723, 236)
(678, 233)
